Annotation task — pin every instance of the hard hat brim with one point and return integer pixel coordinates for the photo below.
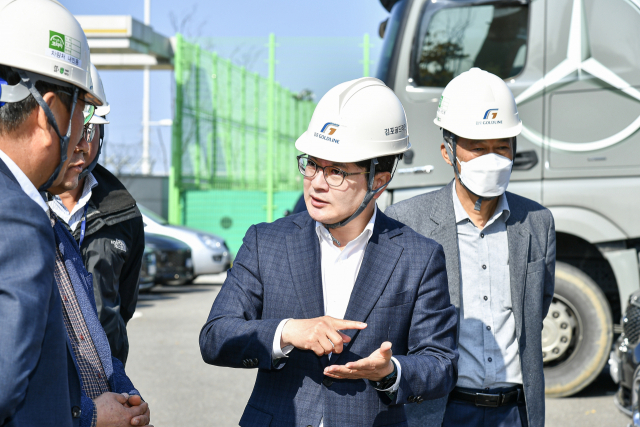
(482, 134)
(334, 153)
(98, 120)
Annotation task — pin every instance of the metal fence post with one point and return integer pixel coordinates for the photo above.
(198, 149)
(175, 173)
(243, 125)
(228, 145)
(256, 127)
(270, 125)
(213, 141)
(366, 53)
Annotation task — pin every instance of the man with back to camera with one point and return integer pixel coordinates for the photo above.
(106, 223)
(500, 250)
(45, 338)
(344, 312)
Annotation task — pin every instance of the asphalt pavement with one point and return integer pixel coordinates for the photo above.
(166, 366)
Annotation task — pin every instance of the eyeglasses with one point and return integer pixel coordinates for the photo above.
(88, 112)
(89, 132)
(333, 175)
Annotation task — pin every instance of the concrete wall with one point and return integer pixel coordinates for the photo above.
(150, 191)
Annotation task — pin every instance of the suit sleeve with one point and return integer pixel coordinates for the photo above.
(235, 333)
(550, 274)
(430, 368)
(121, 382)
(27, 251)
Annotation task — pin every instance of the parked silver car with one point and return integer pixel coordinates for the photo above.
(209, 252)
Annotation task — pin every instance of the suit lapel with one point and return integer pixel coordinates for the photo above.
(518, 237)
(303, 249)
(445, 232)
(379, 261)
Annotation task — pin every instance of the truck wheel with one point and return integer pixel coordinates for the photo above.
(577, 333)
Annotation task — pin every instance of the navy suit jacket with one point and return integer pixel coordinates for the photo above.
(35, 388)
(401, 293)
(83, 287)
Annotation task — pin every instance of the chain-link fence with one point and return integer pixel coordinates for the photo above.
(233, 152)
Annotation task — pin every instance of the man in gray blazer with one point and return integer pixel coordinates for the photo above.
(500, 255)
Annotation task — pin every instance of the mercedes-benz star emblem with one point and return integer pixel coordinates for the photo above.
(579, 60)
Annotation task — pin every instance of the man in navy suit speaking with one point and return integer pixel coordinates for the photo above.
(344, 311)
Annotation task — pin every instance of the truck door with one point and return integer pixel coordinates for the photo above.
(431, 42)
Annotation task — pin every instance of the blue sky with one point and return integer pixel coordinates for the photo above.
(239, 28)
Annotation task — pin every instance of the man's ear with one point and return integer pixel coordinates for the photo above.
(381, 180)
(445, 154)
(44, 130)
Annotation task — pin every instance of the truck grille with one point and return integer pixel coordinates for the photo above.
(631, 324)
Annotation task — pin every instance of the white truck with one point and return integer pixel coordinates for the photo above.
(574, 68)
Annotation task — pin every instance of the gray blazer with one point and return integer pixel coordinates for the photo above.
(532, 259)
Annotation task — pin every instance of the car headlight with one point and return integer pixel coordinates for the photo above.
(210, 241)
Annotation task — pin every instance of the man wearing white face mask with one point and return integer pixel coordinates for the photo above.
(500, 254)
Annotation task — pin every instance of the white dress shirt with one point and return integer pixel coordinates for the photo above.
(74, 217)
(340, 269)
(26, 185)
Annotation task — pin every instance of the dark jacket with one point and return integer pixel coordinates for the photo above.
(112, 252)
(532, 261)
(83, 287)
(37, 386)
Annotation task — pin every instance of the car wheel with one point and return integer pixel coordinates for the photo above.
(577, 333)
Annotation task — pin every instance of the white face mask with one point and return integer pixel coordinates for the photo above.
(486, 176)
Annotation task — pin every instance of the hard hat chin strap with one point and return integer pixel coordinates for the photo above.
(450, 145)
(64, 140)
(367, 198)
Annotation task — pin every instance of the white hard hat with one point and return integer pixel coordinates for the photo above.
(44, 38)
(478, 105)
(357, 120)
(98, 117)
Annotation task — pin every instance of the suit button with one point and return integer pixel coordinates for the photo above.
(419, 400)
(255, 362)
(327, 381)
(76, 412)
(411, 399)
(245, 363)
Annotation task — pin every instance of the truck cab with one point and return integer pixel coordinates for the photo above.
(574, 69)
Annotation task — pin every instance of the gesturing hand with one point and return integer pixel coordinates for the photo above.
(321, 335)
(375, 367)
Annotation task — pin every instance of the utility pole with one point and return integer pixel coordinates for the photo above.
(146, 163)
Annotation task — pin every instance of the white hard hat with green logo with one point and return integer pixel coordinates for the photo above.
(42, 41)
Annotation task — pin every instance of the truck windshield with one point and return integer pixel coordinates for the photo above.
(491, 37)
(390, 38)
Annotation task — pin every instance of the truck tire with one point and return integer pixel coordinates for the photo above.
(577, 333)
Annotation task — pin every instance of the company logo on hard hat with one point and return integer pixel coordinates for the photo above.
(489, 118)
(329, 129)
(56, 41)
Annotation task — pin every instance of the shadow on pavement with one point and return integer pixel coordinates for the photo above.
(603, 385)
